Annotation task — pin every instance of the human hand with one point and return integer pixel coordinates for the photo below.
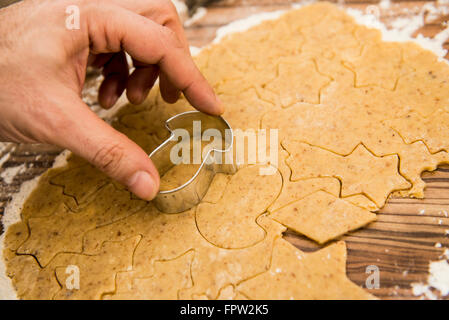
(43, 66)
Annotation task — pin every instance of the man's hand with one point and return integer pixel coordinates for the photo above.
(42, 72)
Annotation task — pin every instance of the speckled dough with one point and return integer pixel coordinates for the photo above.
(357, 119)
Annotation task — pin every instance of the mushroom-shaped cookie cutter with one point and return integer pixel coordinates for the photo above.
(192, 191)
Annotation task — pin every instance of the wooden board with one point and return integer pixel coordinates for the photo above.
(401, 243)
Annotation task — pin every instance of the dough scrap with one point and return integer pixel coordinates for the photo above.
(322, 216)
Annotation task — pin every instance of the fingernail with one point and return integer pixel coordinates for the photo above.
(112, 99)
(140, 96)
(143, 95)
(142, 185)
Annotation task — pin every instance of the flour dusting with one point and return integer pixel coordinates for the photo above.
(438, 280)
(10, 173)
(3, 159)
(402, 29)
(5, 149)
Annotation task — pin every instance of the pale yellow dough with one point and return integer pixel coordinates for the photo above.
(297, 275)
(357, 120)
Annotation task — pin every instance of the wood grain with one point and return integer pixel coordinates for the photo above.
(401, 242)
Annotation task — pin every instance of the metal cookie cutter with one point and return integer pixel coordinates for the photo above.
(192, 191)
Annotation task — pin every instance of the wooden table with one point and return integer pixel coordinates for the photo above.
(400, 243)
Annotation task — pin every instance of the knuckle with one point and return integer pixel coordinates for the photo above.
(109, 158)
(90, 7)
(84, 3)
(167, 6)
(104, 33)
(171, 38)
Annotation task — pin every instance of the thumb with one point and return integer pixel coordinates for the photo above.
(88, 136)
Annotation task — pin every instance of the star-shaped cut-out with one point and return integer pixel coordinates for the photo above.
(296, 275)
(67, 228)
(360, 172)
(433, 130)
(290, 85)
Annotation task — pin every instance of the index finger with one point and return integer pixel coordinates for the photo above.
(162, 12)
(113, 28)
